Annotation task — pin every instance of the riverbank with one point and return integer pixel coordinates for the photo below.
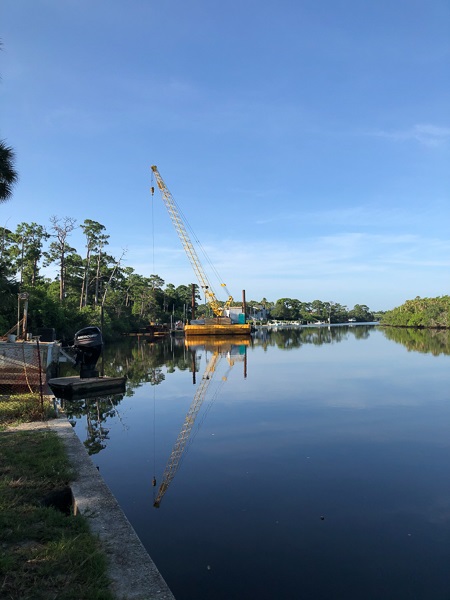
(130, 570)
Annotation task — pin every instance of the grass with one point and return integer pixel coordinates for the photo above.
(23, 408)
(44, 553)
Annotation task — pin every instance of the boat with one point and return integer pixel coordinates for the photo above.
(87, 348)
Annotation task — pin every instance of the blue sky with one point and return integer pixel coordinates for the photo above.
(306, 141)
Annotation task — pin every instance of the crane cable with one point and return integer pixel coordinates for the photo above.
(153, 226)
(154, 387)
(154, 443)
(195, 238)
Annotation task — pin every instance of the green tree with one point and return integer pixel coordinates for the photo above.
(420, 312)
(282, 309)
(319, 310)
(59, 248)
(29, 251)
(8, 303)
(7, 266)
(361, 313)
(339, 313)
(102, 259)
(95, 240)
(8, 173)
(184, 300)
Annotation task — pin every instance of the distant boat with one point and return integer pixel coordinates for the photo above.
(177, 329)
(352, 320)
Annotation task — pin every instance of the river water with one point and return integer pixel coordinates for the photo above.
(309, 463)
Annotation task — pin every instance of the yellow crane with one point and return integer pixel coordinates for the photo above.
(178, 223)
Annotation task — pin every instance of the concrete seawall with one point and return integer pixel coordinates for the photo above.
(132, 572)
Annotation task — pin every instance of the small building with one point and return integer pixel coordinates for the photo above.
(236, 315)
(258, 313)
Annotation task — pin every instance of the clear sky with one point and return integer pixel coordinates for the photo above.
(306, 141)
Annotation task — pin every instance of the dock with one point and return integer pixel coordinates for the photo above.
(69, 387)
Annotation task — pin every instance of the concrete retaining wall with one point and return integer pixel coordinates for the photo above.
(133, 574)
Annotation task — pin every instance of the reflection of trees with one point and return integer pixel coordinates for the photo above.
(97, 410)
(287, 338)
(420, 340)
(360, 333)
(142, 362)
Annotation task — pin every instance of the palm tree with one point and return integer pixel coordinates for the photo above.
(8, 174)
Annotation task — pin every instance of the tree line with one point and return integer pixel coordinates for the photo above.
(88, 284)
(290, 309)
(433, 313)
(92, 282)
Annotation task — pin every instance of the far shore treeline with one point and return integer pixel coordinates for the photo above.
(92, 281)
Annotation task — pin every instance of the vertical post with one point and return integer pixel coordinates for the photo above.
(102, 321)
(245, 364)
(193, 301)
(41, 395)
(22, 296)
(244, 306)
(18, 316)
(193, 367)
(25, 318)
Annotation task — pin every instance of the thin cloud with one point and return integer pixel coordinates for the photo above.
(425, 134)
(350, 258)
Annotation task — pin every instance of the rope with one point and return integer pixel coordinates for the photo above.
(14, 328)
(25, 368)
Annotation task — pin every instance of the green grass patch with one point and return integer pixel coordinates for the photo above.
(23, 408)
(44, 553)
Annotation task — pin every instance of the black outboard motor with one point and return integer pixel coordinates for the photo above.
(88, 344)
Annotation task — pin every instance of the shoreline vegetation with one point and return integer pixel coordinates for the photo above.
(92, 287)
(426, 313)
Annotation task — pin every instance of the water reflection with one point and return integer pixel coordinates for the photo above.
(434, 341)
(96, 410)
(231, 349)
(142, 363)
(145, 362)
(288, 338)
(357, 433)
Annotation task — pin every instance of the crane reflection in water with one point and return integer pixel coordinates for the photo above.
(234, 350)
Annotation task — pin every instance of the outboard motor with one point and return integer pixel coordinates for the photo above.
(88, 344)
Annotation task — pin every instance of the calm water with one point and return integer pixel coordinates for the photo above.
(317, 466)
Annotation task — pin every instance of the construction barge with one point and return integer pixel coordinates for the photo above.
(227, 320)
(217, 326)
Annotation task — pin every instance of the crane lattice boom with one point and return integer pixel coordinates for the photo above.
(189, 248)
